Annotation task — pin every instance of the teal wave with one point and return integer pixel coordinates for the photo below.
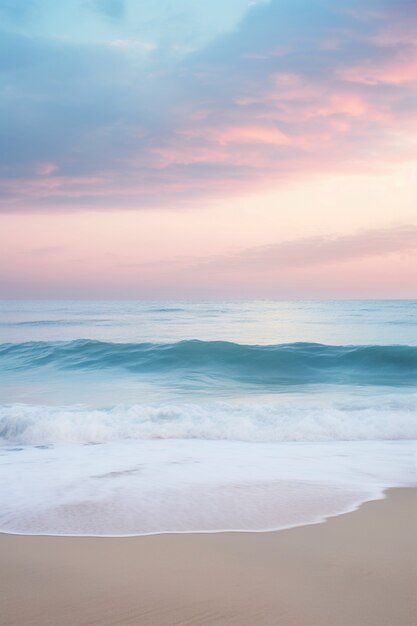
(283, 364)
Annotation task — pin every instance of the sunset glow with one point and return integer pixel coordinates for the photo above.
(158, 152)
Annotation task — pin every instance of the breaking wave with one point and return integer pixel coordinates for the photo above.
(392, 418)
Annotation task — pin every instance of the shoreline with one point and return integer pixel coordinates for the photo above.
(379, 494)
(133, 489)
(354, 569)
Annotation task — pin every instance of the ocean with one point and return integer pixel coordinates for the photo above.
(138, 417)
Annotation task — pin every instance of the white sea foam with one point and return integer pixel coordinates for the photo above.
(139, 487)
(382, 418)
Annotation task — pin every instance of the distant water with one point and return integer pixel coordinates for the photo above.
(136, 417)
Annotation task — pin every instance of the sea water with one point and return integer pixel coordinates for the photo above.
(142, 417)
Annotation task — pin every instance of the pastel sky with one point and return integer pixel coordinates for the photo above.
(185, 148)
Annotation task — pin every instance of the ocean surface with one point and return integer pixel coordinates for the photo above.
(120, 418)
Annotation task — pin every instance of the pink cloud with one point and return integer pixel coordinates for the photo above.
(402, 69)
(351, 104)
(311, 251)
(252, 134)
(246, 112)
(45, 169)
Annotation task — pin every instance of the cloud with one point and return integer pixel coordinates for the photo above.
(321, 250)
(298, 87)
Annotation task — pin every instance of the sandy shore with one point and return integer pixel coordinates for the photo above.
(359, 569)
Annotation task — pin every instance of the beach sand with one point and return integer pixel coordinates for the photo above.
(358, 569)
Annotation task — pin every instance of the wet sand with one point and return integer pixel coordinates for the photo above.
(358, 569)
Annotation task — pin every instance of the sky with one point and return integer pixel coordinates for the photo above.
(184, 148)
